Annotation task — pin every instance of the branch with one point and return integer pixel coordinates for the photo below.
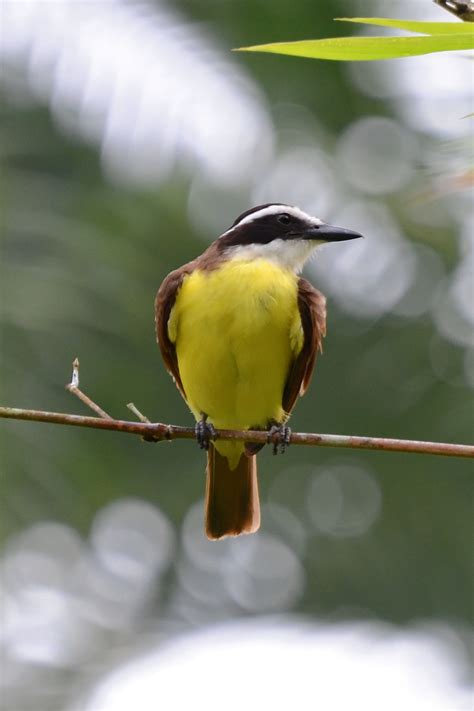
(464, 9)
(159, 432)
(73, 388)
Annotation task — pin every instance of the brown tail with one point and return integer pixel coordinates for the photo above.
(232, 505)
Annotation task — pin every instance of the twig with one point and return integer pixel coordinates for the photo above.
(158, 432)
(137, 413)
(133, 408)
(73, 388)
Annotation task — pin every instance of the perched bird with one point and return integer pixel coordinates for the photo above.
(239, 331)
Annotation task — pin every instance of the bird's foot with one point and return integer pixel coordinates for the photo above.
(280, 437)
(205, 432)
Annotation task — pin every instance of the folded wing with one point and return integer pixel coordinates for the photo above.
(312, 308)
(164, 302)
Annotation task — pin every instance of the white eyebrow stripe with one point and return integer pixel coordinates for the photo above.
(275, 210)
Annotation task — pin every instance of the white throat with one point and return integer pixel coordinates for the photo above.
(287, 254)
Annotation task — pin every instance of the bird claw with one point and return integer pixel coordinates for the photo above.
(205, 432)
(280, 437)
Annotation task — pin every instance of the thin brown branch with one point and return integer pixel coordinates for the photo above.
(159, 432)
(73, 388)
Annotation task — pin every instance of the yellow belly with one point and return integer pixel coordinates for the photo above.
(236, 331)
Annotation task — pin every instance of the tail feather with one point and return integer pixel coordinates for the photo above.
(232, 503)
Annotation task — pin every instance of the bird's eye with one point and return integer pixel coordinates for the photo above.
(285, 219)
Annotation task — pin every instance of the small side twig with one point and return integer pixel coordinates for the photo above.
(133, 408)
(139, 415)
(73, 388)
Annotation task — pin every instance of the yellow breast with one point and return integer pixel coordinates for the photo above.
(236, 330)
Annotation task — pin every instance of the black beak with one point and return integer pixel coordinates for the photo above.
(330, 233)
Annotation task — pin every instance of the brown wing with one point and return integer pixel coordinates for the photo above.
(164, 302)
(312, 307)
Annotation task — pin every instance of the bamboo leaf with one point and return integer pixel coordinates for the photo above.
(425, 28)
(366, 48)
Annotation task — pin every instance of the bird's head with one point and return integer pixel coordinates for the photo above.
(280, 233)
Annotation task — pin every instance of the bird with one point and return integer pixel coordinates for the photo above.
(239, 330)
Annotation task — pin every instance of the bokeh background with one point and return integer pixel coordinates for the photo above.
(132, 137)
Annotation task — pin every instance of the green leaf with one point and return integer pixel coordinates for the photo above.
(425, 28)
(358, 49)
